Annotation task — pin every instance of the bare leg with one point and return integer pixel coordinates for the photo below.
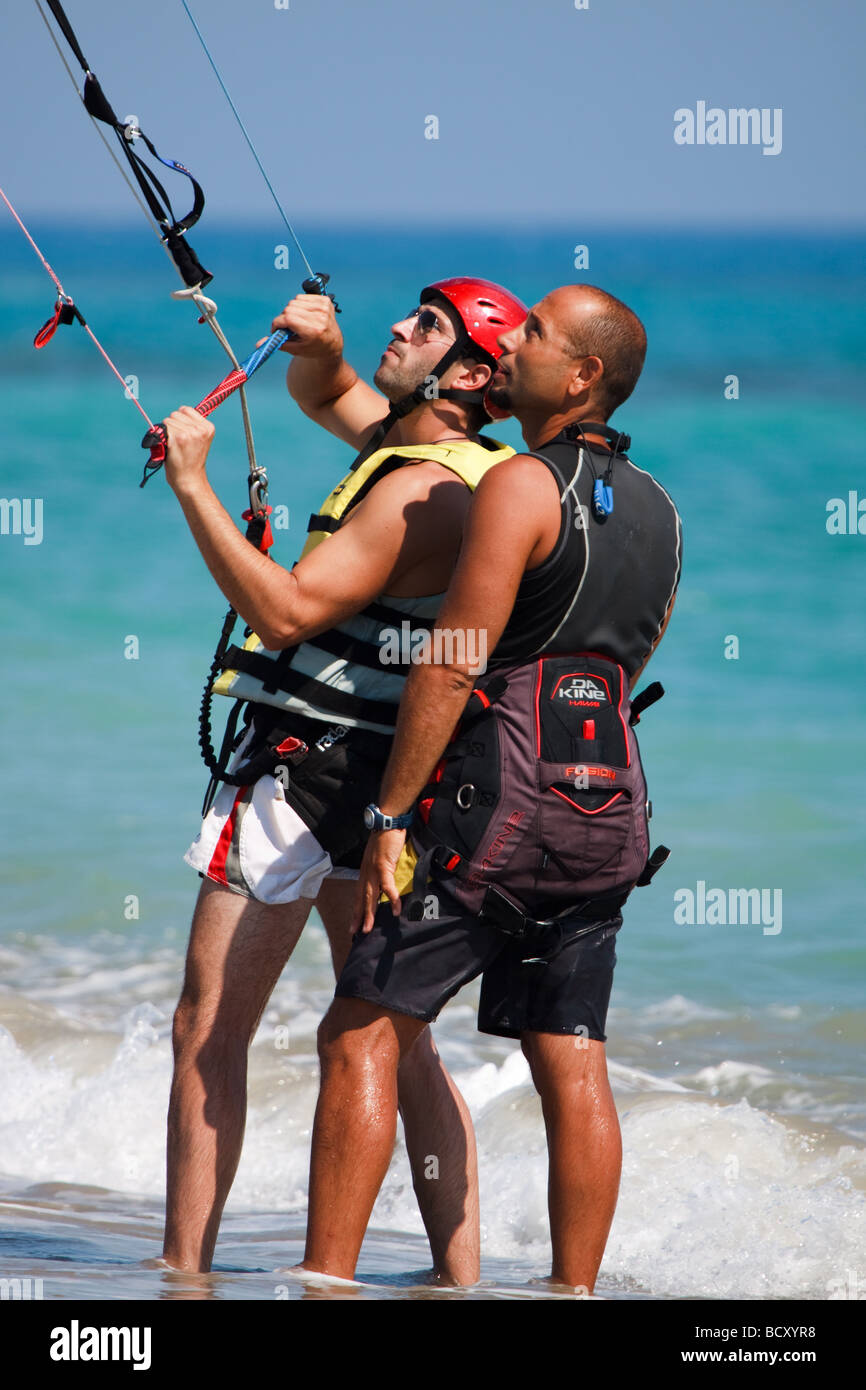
(237, 950)
(360, 1047)
(440, 1139)
(584, 1146)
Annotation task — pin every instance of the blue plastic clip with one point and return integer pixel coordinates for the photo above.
(602, 499)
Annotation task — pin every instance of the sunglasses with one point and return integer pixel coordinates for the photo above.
(426, 322)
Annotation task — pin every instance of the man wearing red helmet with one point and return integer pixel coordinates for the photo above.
(287, 829)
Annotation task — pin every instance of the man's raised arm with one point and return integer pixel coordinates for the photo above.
(320, 379)
(386, 535)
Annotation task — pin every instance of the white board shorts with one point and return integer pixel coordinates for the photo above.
(253, 842)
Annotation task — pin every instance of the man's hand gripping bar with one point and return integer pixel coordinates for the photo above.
(156, 440)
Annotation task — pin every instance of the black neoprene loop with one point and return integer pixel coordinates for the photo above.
(620, 442)
(647, 697)
(96, 103)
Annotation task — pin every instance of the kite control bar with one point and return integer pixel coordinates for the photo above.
(156, 439)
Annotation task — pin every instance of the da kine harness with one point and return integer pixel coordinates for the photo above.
(536, 819)
(538, 810)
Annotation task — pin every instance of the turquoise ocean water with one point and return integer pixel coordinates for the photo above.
(735, 1047)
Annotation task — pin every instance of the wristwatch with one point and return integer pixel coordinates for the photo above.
(374, 819)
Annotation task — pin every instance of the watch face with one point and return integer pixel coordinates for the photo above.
(369, 818)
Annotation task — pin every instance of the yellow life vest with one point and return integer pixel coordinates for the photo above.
(470, 461)
(255, 673)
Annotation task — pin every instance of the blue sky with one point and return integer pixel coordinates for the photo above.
(545, 112)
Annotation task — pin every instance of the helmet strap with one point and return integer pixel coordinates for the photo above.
(461, 347)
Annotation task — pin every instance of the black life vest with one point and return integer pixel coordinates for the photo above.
(538, 808)
(609, 579)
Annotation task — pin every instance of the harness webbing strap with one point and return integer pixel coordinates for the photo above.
(498, 909)
(355, 649)
(281, 747)
(387, 466)
(393, 617)
(323, 523)
(277, 676)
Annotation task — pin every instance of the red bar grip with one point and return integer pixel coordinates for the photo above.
(225, 388)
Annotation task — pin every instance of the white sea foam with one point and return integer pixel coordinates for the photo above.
(679, 1009)
(717, 1201)
(720, 1197)
(728, 1202)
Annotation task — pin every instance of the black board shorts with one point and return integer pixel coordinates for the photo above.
(558, 980)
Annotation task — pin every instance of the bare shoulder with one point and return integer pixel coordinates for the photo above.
(516, 511)
(517, 468)
(522, 477)
(423, 500)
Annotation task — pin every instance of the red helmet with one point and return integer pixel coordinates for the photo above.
(486, 310)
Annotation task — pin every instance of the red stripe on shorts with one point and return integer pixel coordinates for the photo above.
(216, 869)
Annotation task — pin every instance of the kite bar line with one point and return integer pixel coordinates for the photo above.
(247, 137)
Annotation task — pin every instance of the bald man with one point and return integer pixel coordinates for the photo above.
(568, 571)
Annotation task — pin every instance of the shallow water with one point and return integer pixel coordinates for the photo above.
(736, 1048)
